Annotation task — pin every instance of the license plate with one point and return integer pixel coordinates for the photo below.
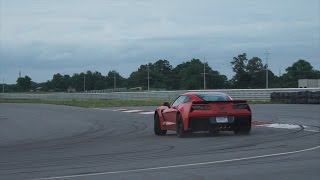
(222, 119)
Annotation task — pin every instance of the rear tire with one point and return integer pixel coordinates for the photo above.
(157, 127)
(242, 129)
(180, 127)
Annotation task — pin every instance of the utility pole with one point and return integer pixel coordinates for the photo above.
(114, 81)
(279, 72)
(84, 82)
(2, 84)
(148, 77)
(280, 78)
(204, 74)
(267, 69)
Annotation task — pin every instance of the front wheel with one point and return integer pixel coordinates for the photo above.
(157, 127)
(179, 127)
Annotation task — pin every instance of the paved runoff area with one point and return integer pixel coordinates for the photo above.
(61, 142)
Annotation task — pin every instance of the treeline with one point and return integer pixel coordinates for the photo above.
(249, 73)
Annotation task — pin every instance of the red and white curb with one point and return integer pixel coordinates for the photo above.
(255, 123)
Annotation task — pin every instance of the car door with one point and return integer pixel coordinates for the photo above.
(170, 114)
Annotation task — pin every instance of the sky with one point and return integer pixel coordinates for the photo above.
(44, 37)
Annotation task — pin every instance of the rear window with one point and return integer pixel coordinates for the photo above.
(214, 97)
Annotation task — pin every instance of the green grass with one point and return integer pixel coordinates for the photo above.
(88, 103)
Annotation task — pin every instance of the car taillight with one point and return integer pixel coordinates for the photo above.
(200, 107)
(241, 106)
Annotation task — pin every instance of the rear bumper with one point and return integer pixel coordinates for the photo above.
(208, 123)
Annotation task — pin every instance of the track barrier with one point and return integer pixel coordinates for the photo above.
(281, 95)
(301, 97)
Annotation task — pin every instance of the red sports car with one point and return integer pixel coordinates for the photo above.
(203, 111)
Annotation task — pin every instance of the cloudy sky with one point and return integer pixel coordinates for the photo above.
(44, 37)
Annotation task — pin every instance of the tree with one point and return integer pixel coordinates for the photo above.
(24, 83)
(159, 73)
(58, 83)
(239, 66)
(215, 80)
(138, 78)
(239, 63)
(256, 73)
(77, 81)
(188, 75)
(254, 65)
(250, 73)
(115, 77)
(300, 69)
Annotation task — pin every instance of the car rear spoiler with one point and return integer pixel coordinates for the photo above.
(209, 102)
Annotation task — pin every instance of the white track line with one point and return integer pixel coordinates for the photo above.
(281, 126)
(151, 112)
(120, 110)
(132, 111)
(101, 109)
(178, 166)
(311, 129)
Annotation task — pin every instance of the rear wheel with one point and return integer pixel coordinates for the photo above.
(242, 129)
(157, 126)
(179, 127)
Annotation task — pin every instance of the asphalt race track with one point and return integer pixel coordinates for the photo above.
(60, 142)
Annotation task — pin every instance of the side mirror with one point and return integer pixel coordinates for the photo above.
(166, 104)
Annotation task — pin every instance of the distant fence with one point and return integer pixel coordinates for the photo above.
(247, 94)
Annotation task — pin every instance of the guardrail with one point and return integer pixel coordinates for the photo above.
(108, 90)
(247, 94)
